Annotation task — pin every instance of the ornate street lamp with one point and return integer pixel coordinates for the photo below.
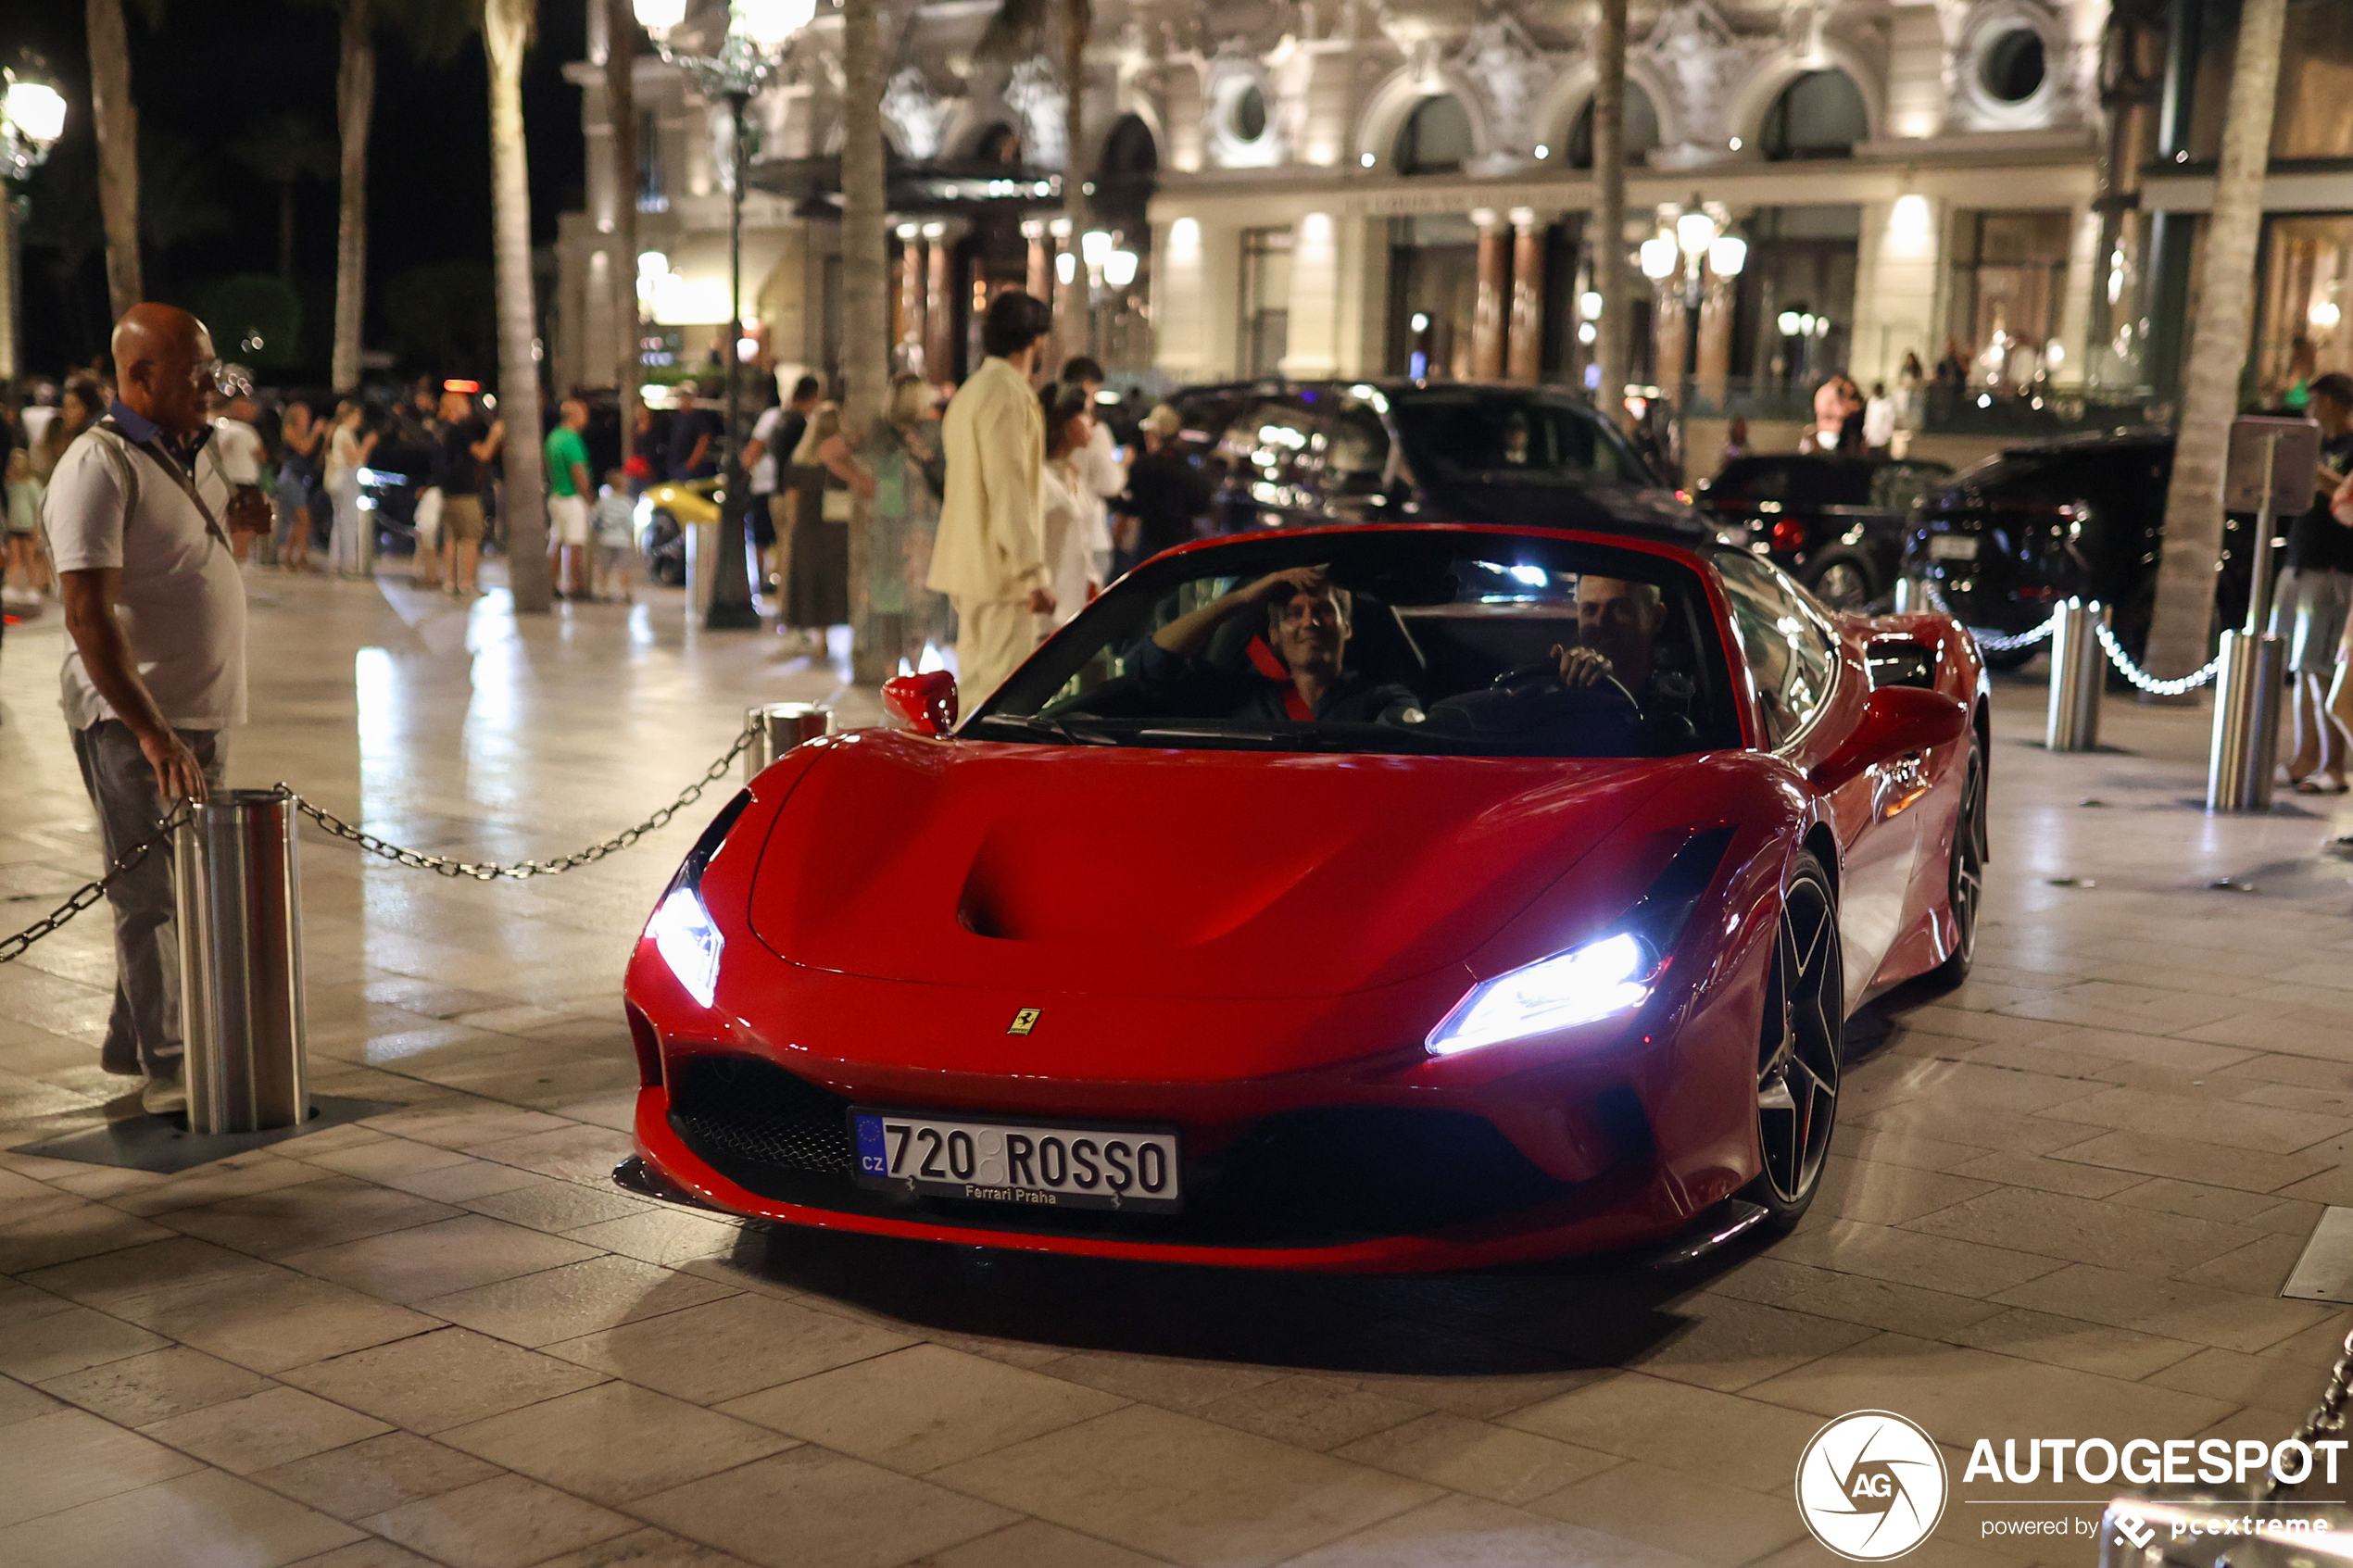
(743, 63)
(32, 116)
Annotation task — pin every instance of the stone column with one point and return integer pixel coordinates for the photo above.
(1526, 357)
(911, 298)
(1487, 314)
(1669, 337)
(1041, 260)
(1716, 340)
(940, 311)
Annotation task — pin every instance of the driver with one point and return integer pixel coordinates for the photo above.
(1306, 619)
(1618, 625)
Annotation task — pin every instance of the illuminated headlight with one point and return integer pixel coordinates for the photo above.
(1604, 977)
(687, 942)
(643, 513)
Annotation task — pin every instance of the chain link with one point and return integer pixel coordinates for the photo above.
(1992, 642)
(2328, 1416)
(89, 893)
(2181, 686)
(490, 871)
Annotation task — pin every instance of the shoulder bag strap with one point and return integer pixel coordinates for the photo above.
(180, 476)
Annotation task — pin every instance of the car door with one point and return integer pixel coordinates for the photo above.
(1810, 691)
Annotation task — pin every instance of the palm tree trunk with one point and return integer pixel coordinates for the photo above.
(620, 109)
(1070, 302)
(355, 106)
(1607, 243)
(506, 33)
(2185, 612)
(116, 119)
(865, 268)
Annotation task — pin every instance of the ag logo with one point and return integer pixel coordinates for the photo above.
(1870, 1486)
(1023, 1021)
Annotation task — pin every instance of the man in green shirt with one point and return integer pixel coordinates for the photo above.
(568, 493)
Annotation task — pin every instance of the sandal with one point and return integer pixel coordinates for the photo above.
(2311, 784)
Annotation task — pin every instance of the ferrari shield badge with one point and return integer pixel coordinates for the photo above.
(1023, 1021)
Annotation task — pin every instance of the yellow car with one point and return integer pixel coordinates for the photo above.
(664, 512)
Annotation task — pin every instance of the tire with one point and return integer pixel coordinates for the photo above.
(1965, 877)
(1800, 1046)
(1844, 581)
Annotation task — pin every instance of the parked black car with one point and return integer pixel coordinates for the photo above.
(1296, 454)
(1834, 524)
(2080, 517)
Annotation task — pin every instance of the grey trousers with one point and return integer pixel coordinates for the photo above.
(142, 1035)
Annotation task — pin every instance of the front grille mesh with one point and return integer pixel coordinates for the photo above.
(795, 1143)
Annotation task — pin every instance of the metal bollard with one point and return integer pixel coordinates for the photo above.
(2079, 674)
(777, 727)
(2246, 722)
(241, 1007)
(1904, 595)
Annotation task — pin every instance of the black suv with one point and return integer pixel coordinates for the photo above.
(1296, 454)
(1836, 524)
(2081, 516)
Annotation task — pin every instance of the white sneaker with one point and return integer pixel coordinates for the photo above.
(163, 1096)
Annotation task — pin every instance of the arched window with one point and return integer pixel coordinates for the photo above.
(996, 143)
(1819, 115)
(1436, 138)
(1124, 179)
(1642, 129)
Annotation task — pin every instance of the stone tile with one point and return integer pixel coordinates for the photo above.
(2044, 1173)
(614, 1443)
(241, 1175)
(1879, 1194)
(1729, 1437)
(207, 1520)
(21, 1401)
(923, 1407)
(442, 1379)
(434, 1259)
(272, 1427)
(2269, 1382)
(2176, 1309)
(52, 1338)
(1731, 1343)
(546, 1204)
(1319, 1413)
(572, 1301)
(2233, 1124)
(61, 1235)
(2072, 1342)
(470, 1178)
(367, 1553)
(69, 1457)
(1674, 1511)
(1469, 1532)
(377, 1475)
(1856, 1299)
(1172, 1384)
(726, 1348)
(2082, 1230)
(1478, 1456)
(1908, 1257)
(2151, 1155)
(318, 1213)
(174, 1262)
(1033, 1543)
(506, 1521)
(645, 1549)
(572, 1153)
(667, 1236)
(846, 1514)
(270, 1319)
(385, 1158)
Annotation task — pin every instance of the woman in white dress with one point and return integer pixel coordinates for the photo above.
(347, 451)
(1074, 525)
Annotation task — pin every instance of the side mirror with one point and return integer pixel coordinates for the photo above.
(927, 701)
(1896, 721)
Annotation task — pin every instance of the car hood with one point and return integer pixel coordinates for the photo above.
(1170, 873)
(1549, 503)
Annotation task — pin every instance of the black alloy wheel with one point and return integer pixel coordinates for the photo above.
(1966, 883)
(1798, 1052)
(1843, 583)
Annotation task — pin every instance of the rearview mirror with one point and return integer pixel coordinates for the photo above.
(1896, 721)
(927, 701)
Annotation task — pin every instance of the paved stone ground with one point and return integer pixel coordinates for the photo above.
(2063, 1201)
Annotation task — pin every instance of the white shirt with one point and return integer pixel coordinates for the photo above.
(763, 430)
(343, 454)
(1074, 529)
(241, 451)
(1879, 421)
(183, 602)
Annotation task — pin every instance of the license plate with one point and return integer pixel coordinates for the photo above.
(1951, 546)
(1030, 1163)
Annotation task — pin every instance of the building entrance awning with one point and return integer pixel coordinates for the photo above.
(934, 188)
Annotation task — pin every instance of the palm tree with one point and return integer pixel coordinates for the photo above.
(621, 113)
(2184, 618)
(116, 118)
(432, 29)
(1017, 31)
(285, 149)
(865, 307)
(505, 36)
(1607, 246)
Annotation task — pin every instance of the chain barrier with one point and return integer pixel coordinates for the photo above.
(1992, 642)
(2328, 1416)
(89, 893)
(490, 871)
(2181, 686)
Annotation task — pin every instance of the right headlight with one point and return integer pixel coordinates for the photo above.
(1595, 980)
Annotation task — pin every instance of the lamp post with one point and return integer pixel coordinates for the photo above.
(32, 116)
(1694, 248)
(743, 63)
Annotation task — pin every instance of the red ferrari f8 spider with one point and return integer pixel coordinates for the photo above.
(1349, 898)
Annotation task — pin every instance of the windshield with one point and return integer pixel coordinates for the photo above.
(1485, 435)
(1406, 640)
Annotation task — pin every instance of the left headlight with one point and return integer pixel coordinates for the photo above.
(1595, 980)
(687, 942)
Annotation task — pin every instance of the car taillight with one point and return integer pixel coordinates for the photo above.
(1788, 536)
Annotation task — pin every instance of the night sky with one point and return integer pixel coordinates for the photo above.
(217, 66)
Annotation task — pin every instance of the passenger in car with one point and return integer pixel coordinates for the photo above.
(1306, 677)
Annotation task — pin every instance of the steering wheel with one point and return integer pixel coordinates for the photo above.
(1607, 696)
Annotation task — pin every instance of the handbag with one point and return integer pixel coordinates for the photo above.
(836, 507)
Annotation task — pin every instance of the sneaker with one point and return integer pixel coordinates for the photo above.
(164, 1096)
